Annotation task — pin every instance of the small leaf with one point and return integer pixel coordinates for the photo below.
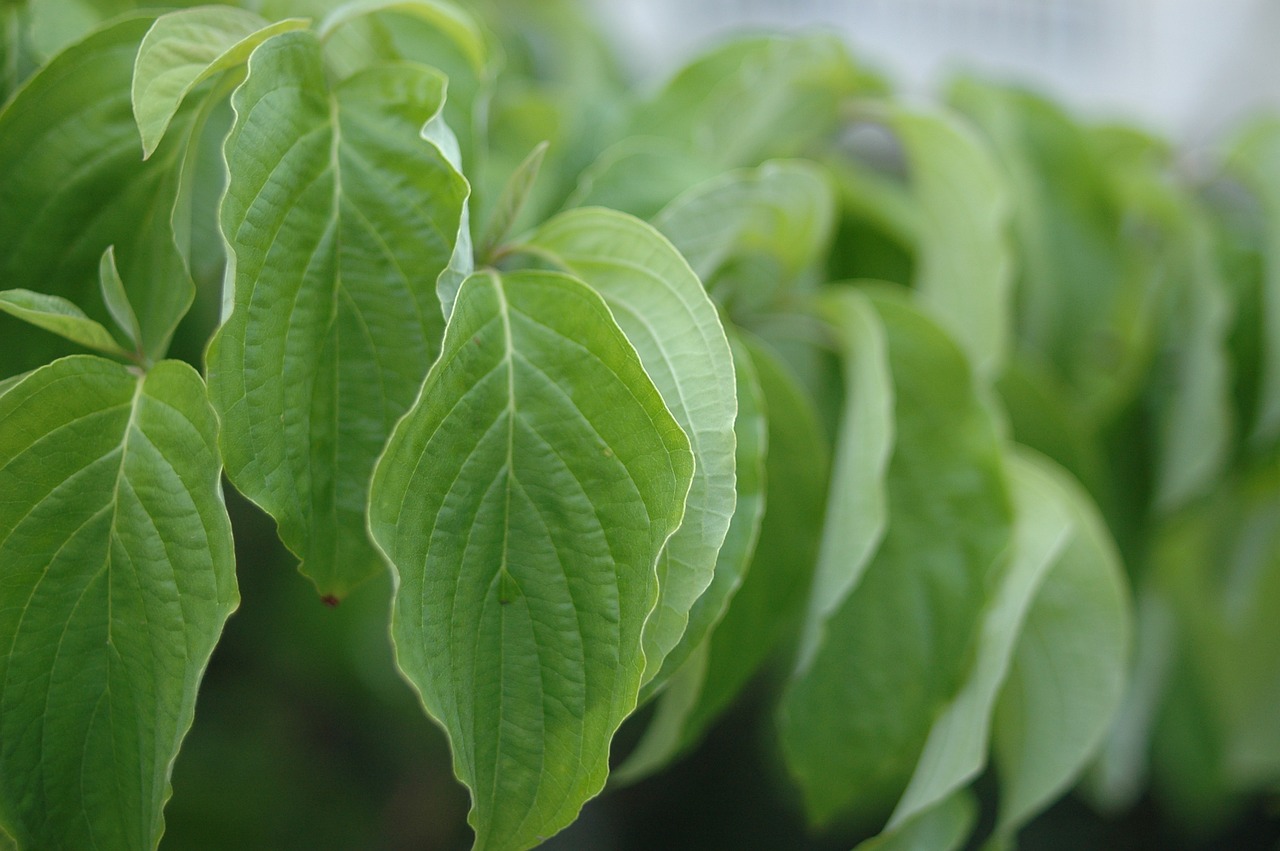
(522, 503)
(116, 299)
(666, 314)
(330, 330)
(778, 216)
(514, 194)
(118, 577)
(183, 49)
(60, 316)
(74, 183)
(896, 651)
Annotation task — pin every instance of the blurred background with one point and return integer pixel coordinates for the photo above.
(306, 738)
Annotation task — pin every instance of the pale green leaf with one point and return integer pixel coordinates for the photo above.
(964, 260)
(666, 314)
(857, 503)
(767, 605)
(56, 314)
(183, 49)
(956, 751)
(118, 577)
(522, 503)
(778, 216)
(1068, 670)
(640, 175)
(116, 298)
(74, 183)
(854, 722)
(684, 669)
(512, 200)
(339, 218)
(944, 827)
(446, 17)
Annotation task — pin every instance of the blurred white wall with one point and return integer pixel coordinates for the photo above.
(1186, 68)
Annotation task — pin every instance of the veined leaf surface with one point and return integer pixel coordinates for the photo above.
(118, 577)
(666, 314)
(339, 217)
(522, 503)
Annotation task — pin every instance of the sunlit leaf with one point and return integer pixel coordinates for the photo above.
(523, 503)
(666, 314)
(61, 317)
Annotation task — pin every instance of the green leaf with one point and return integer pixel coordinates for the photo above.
(523, 503)
(778, 216)
(1068, 670)
(857, 504)
(330, 329)
(964, 260)
(61, 317)
(118, 577)
(944, 827)
(1220, 567)
(75, 184)
(116, 299)
(183, 49)
(514, 195)
(446, 17)
(666, 735)
(956, 750)
(640, 175)
(771, 597)
(1255, 159)
(796, 87)
(896, 651)
(666, 314)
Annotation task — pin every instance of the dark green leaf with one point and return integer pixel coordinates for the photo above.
(118, 577)
(340, 217)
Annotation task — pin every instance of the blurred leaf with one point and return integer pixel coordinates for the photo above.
(1255, 159)
(1068, 671)
(778, 216)
(75, 183)
(943, 827)
(118, 579)
(329, 333)
(896, 651)
(523, 503)
(184, 48)
(857, 504)
(964, 258)
(512, 200)
(61, 317)
(956, 751)
(662, 308)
